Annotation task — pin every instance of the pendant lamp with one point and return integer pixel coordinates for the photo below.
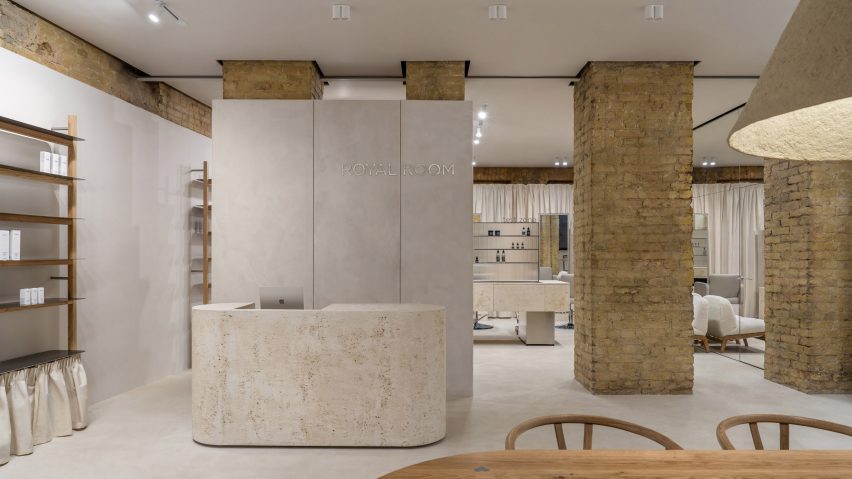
(801, 108)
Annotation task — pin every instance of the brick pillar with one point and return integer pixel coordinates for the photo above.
(632, 227)
(808, 274)
(271, 80)
(434, 81)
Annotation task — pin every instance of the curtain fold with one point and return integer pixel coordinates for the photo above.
(5, 424)
(40, 403)
(498, 202)
(734, 216)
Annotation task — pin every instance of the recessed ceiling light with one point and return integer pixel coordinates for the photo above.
(483, 112)
(703, 163)
(654, 12)
(498, 12)
(556, 164)
(473, 163)
(712, 163)
(340, 12)
(564, 163)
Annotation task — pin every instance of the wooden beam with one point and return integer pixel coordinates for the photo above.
(727, 174)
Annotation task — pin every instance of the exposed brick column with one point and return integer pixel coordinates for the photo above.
(808, 274)
(632, 227)
(271, 80)
(434, 81)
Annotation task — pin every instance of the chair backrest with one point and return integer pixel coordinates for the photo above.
(588, 423)
(700, 314)
(725, 285)
(721, 320)
(783, 421)
(701, 288)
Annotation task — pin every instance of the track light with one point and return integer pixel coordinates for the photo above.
(564, 163)
(556, 164)
(654, 12)
(476, 141)
(483, 112)
(712, 163)
(157, 14)
(340, 12)
(479, 129)
(498, 12)
(473, 163)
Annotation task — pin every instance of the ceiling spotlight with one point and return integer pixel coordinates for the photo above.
(712, 163)
(556, 164)
(340, 12)
(483, 112)
(476, 141)
(654, 12)
(564, 163)
(703, 163)
(473, 163)
(498, 12)
(479, 129)
(156, 15)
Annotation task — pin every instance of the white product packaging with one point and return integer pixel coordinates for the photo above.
(25, 296)
(44, 164)
(15, 245)
(40, 295)
(4, 245)
(54, 163)
(34, 296)
(63, 165)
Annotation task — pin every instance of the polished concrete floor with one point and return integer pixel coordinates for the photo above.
(146, 433)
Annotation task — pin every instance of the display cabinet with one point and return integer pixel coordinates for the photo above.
(700, 247)
(200, 216)
(506, 251)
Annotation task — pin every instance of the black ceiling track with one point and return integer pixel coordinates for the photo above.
(711, 120)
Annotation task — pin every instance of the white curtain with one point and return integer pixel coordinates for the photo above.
(495, 202)
(40, 403)
(734, 216)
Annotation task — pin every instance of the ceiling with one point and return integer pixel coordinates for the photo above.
(530, 120)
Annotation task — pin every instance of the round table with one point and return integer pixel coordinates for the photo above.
(609, 463)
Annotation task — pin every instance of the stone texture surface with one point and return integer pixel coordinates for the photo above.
(442, 80)
(632, 227)
(271, 80)
(39, 40)
(521, 296)
(808, 274)
(351, 375)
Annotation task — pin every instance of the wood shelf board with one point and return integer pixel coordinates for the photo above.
(506, 236)
(53, 220)
(35, 262)
(48, 302)
(27, 174)
(36, 132)
(24, 362)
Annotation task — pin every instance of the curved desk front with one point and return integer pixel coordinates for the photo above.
(347, 375)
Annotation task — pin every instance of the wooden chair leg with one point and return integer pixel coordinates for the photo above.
(724, 343)
(706, 344)
(745, 342)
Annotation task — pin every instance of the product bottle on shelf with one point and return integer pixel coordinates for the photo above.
(498, 256)
(528, 231)
(503, 258)
(477, 259)
(522, 246)
(513, 245)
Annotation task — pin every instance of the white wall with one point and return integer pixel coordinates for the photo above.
(135, 237)
(289, 217)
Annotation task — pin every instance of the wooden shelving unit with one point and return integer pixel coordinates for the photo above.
(206, 235)
(68, 140)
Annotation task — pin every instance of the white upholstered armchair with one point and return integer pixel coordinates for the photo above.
(699, 320)
(723, 324)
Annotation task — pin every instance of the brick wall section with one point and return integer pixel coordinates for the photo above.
(808, 275)
(30, 36)
(727, 174)
(633, 221)
(434, 81)
(538, 175)
(271, 80)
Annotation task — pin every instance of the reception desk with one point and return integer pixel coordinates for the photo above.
(347, 375)
(536, 301)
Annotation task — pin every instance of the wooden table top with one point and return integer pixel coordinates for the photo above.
(636, 464)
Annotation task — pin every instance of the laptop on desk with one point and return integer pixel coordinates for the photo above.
(282, 298)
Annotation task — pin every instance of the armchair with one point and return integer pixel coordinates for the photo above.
(699, 320)
(727, 286)
(724, 325)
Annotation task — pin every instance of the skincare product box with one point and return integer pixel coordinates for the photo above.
(4, 245)
(63, 165)
(25, 297)
(40, 295)
(44, 163)
(15, 245)
(54, 163)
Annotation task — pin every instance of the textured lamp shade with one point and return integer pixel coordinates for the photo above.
(801, 108)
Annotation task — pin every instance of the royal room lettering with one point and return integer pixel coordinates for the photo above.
(382, 169)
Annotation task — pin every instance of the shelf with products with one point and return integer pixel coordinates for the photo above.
(206, 235)
(28, 174)
(514, 243)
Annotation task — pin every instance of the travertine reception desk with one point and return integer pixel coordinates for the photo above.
(535, 300)
(346, 375)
